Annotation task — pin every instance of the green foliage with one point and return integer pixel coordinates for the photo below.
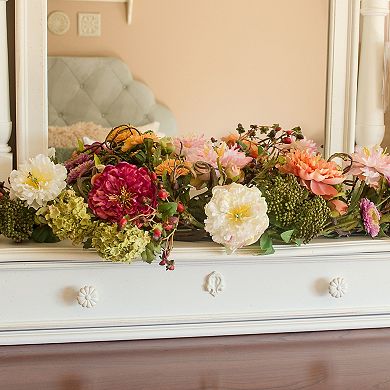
(167, 209)
(295, 213)
(16, 220)
(44, 233)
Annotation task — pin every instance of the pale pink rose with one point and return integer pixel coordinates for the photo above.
(315, 173)
(369, 164)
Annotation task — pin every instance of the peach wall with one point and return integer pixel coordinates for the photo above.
(220, 62)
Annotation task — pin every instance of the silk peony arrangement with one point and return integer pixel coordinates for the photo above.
(131, 196)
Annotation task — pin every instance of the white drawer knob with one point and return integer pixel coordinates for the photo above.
(337, 287)
(215, 283)
(87, 297)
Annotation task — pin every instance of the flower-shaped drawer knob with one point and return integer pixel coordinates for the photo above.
(337, 287)
(87, 297)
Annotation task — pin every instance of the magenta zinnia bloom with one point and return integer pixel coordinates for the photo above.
(123, 190)
(371, 217)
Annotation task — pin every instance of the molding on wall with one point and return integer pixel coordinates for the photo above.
(342, 76)
(31, 78)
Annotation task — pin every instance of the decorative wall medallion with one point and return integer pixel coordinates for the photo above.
(215, 283)
(87, 297)
(337, 287)
(89, 25)
(58, 23)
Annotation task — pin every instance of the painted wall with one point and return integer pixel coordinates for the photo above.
(220, 62)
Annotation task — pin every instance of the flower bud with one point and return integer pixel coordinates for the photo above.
(287, 140)
(180, 207)
(162, 194)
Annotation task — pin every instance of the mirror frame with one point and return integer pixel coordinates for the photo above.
(31, 77)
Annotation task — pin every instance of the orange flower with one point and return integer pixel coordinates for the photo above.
(316, 174)
(169, 165)
(130, 136)
(121, 133)
(231, 140)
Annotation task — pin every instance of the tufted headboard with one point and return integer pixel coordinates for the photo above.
(101, 90)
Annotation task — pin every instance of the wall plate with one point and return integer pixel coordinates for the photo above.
(58, 23)
(89, 24)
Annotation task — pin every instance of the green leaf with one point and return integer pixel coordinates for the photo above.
(167, 209)
(385, 218)
(88, 244)
(80, 145)
(260, 150)
(97, 161)
(266, 244)
(44, 233)
(150, 252)
(243, 146)
(286, 236)
(167, 183)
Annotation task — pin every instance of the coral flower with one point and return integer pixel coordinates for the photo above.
(123, 190)
(170, 165)
(371, 217)
(369, 164)
(315, 173)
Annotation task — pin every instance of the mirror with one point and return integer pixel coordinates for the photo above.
(210, 64)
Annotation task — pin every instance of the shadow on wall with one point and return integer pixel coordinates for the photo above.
(11, 65)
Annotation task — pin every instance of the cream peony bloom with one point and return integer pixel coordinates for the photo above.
(38, 181)
(236, 216)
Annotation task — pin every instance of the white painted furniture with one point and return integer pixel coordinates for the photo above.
(370, 126)
(5, 119)
(59, 293)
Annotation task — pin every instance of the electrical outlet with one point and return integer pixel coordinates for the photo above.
(89, 25)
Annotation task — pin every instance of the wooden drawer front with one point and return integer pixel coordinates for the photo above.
(45, 295)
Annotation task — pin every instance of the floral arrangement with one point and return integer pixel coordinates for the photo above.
(132, 195)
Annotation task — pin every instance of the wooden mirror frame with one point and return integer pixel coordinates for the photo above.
(31, 55)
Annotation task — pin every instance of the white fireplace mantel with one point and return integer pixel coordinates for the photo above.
(61, 293)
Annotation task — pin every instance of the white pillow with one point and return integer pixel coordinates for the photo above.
(154, 126)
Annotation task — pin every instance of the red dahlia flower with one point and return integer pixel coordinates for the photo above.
(123, 190)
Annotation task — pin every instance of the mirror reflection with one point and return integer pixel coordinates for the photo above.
(185, 66)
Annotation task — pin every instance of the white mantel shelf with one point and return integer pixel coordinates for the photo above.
(52, 293)
(186, 253)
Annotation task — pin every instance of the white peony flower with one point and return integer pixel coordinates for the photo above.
(38, 181)
(236, 215)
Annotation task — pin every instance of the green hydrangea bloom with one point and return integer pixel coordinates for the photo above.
(123, 246)
(69, 218)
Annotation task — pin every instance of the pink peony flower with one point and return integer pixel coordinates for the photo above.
(233, 160)
(305, 144)
(371, 217)
(369, 164)
(123, 190)
(206, 153)
(188, 145)
(316, 174)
